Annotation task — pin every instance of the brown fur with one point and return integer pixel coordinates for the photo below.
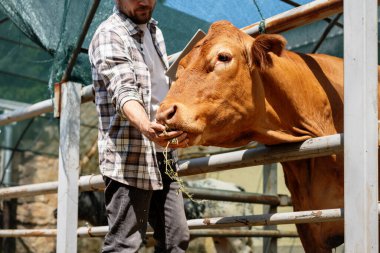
(271, 95)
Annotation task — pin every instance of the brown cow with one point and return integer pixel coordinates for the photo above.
(232, 89)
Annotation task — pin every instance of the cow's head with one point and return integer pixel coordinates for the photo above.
(218, 94)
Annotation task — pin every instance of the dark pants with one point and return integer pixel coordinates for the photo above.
(129, 209)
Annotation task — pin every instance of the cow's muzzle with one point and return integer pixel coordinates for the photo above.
(166, 114)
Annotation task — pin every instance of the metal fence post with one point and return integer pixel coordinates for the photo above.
(270, 187)
(67, 221)
(360, 126)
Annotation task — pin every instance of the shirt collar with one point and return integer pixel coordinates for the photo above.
(131, 26)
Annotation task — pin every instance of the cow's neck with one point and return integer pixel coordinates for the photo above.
(296, 108)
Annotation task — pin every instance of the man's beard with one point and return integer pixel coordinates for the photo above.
(142, 19)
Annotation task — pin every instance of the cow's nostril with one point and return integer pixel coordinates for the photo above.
(166, 113)
(171, 112)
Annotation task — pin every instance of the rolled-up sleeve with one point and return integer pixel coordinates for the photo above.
(112, 62)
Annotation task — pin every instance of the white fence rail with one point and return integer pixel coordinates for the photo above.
(314, 147)
(102, 230)
(313, 216)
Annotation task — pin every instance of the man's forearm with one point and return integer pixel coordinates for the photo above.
(136, 114)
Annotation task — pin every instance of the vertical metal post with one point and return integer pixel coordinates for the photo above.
(360, 126)
(7, 170)
(270, 187)
(9, 206)
(67, 221)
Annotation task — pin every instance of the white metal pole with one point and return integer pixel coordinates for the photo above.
(67, 221)
(314, 147)
(270, 187)
(7, 164)
(360, 126)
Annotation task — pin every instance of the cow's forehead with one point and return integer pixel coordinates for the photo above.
(214, 40)
(222, 26)
(221, 35)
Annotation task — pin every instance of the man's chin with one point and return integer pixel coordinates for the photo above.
(142, 19)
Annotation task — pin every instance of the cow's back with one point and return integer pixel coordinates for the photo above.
(334, 70)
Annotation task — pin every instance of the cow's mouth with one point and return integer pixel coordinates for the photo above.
(194, 135)
(170, 128)
(178, 117)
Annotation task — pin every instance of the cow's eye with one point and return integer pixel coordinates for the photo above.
(224, 57)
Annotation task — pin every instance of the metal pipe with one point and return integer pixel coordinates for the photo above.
(320, 146)
(314, 147)
(240, 233)
(28, 190)
(242, 197)
(326, 32)
(27, 112)
(80, 41)
(302, 15)
(310, 148)
(88, 94)
(39, 108)
(28, 233)
(314, 216)
(295, 4)
(73, 58)
(95, 183)
(101, 231)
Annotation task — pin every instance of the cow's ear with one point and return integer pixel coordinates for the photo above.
(264, 44)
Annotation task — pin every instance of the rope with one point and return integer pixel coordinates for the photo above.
(262, 21)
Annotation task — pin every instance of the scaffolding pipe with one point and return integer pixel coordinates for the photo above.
(314, 147)
(26, 113)
(242, 197)
(240, 233)
(40, 108)
(86, 25)
(313, 216)
(95, 183)
(302, 15)
(101, 231)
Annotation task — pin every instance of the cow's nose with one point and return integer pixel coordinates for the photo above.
(167, 114)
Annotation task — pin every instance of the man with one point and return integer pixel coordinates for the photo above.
(128, 60)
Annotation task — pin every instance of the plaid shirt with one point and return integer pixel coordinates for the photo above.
(120, 74)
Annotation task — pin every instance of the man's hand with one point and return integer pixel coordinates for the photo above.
(157, 133)
(152, 130)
